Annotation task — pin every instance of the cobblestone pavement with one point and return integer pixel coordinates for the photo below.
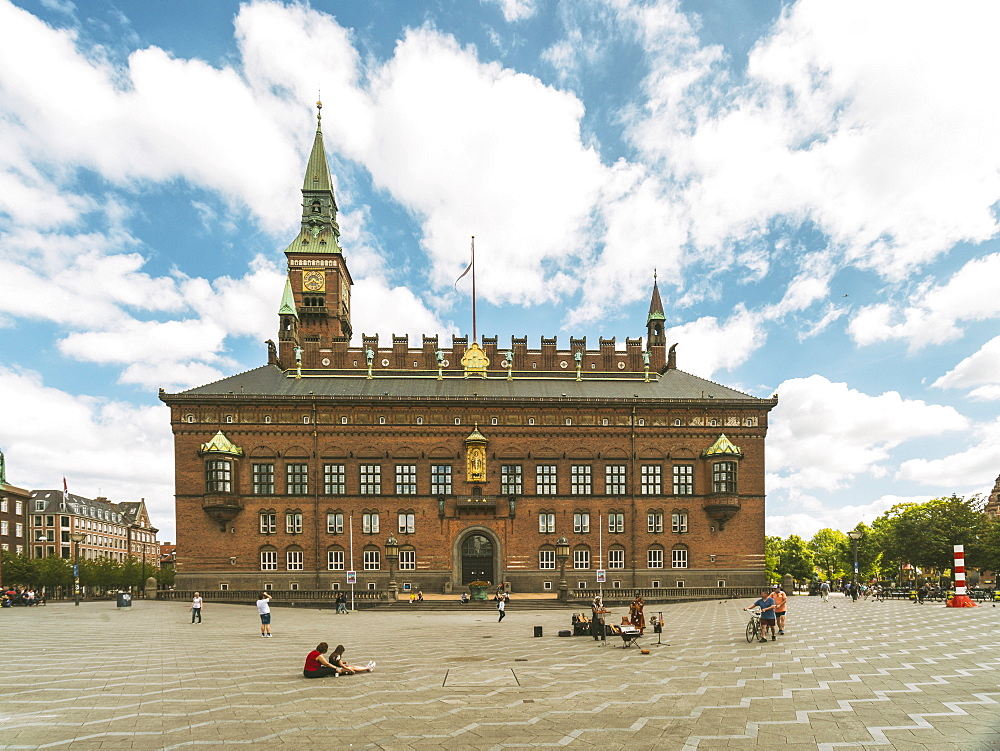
(845, 675)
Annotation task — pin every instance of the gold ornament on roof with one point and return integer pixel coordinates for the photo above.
(475, 362)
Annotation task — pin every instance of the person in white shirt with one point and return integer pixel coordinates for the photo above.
(264, 608)
(196, 607)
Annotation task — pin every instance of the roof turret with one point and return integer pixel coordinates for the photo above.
(320, 232)
(287, 306)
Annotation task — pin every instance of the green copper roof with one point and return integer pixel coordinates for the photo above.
(318, 170)
(221, 445)
(320, 232)
(722, 446)
(287, 306)
(655, 306)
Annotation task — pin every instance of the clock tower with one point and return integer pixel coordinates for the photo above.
(316, 307)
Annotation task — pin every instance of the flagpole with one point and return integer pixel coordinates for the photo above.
(474, 337)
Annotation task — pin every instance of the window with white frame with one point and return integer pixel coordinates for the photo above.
(546, 558)
(546, 482)
(406, 479)
(407, 559)
(294, 560)
(268, 523)
(263, 479)
(297, 479)
(581, 522)
(335, 523)
(679, 521)
(724, 477)
(679, 558)
(581, 558)
(652, 479)
(334, 479)
(441, 479)
(407, 522)
(683, 479)
(616, 522)
(614, 479)
(654, 521)
(654, 558)
(511, 482)
(218, 476)
(372, 560)
(546, 522)
(369, 523)
(616, 558)
(293, 522)
(581, 479)
(371, 479)
(269, 560)
(335, 560)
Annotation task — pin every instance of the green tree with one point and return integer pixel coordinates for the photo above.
(832, 551)
(165, 576)
(924, 534)
(52, 572)
(18, 570)
(796, 559)
(772, 556)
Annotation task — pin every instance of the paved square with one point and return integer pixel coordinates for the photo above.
(846, 675)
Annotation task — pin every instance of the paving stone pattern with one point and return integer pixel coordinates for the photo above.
(845, 675)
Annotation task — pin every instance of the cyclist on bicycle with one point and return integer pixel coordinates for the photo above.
(767, 618)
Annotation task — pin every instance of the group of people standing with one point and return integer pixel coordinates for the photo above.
(772, 604)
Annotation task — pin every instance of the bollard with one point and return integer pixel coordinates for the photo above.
(538, 630)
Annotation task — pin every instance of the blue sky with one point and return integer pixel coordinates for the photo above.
(816, 185)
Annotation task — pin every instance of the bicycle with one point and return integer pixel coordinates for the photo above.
(753, 626)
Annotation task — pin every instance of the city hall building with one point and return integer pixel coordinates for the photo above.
(433, 464)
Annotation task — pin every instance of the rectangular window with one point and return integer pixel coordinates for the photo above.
(546, 523)
(407, 522)
(654, 558)
(614, 479)
(616, 522)
(654, 521)
(335, 523)
(3, 527)
(581, 559)
(679, 558)
(616, 558)
(406, 479)
(334, 482)
(3, 505)
(407, 560)
(511, 480)
(440, 479)
(581, 523)
(297, 479)
(269, 560)
(678, 522)
(294, 560)
(268, 524)
(369, 523)
(545, 480)
(372, 560)
(683, 479)
(371, 479)
(652, 479)
(218, 476)
(263, 479)
(581, 480)
(724, 477)
(293, 523)
(335, 560)
(547, 559)
(39, 505)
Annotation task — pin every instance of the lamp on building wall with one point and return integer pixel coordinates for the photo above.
(562, 554)
(855, 535)
(392, 555)
(76, 537)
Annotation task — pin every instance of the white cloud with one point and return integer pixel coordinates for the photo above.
(516, 10)
(708, 345)
(962, 472)
(824, 434)
(805, 515)
(981, 368)
(47, 434)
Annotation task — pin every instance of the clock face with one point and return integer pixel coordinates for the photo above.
(313, 281)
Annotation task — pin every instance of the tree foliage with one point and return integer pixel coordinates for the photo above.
(796, 559)
(832, 550)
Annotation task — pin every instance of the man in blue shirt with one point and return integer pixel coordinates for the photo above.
(766, 604)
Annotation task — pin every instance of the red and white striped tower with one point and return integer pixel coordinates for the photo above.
(961, 599)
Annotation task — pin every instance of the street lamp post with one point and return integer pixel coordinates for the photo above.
(562, 553)
(392, 555)
(76, 537)
(855, 535)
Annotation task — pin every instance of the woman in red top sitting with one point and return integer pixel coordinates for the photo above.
(317, 666)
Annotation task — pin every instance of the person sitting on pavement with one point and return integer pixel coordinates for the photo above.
(317, 666)
(767, 618)
(337, 658)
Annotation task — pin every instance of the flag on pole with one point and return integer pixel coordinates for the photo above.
(471, 263)
(65, 498)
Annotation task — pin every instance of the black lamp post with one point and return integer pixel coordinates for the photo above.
(855, 535)
(392, 555)
(76, 537)
(562, 553)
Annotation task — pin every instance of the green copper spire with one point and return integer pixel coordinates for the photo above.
(655, 306)
(287, 306)
(320, 232)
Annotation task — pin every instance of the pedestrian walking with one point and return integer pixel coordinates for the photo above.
(502, 606)
(766, 605)
(824, 591)
(780, 603)
(264, 609)
(341, 603)
(196, 607)
(596, 624)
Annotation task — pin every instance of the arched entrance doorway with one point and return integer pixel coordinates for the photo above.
(477, 558)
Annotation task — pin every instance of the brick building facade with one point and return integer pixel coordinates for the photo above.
(475, 457)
